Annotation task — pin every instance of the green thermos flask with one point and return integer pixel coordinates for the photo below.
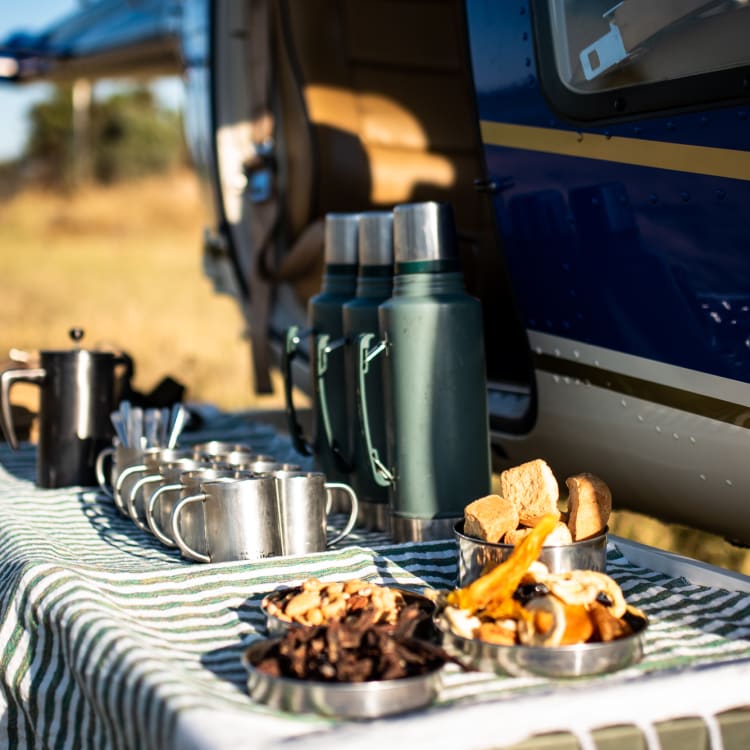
(435, 381)
(330, 441)
(360, 315)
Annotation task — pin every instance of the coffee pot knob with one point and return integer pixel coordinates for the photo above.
(76, 334)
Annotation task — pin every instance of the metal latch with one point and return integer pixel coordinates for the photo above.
(603, 54)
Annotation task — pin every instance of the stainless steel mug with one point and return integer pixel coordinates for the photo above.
(240, 520)
(133, 495)
(213, 448)
(77, 395)
(303, 500)
(121, 457)
(191, 522)
(161, 501)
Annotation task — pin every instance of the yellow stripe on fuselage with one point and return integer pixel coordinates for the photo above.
(719, 162)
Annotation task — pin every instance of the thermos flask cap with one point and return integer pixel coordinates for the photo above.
(424, 232)
(341, 232)
(376, 238)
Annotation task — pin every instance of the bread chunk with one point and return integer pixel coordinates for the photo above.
(589, 505)
(557, 537)
(533, 489)
(516, 535)
(489, 518)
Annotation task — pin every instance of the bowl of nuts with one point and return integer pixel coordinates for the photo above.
(360, 666)
(315, 603)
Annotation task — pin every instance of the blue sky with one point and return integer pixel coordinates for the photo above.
(15, 101)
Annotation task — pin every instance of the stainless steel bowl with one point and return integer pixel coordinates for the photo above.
(557, 661)
(355, 700)
(477, 557)
(276, 625)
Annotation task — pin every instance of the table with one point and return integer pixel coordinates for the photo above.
(112, 640)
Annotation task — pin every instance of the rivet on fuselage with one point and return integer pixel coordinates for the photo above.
(658, 429)
(623, 402)
(703, 477)
(675, 436)
(729, 483)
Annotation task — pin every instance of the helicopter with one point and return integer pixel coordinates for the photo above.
(597, 159)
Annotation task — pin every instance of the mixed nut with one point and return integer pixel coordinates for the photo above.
(316, 603)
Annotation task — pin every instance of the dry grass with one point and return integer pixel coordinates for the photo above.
(124, 263)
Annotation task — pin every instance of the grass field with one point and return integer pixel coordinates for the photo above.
(124, 264)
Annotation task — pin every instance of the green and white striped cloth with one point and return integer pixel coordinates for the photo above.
(109, 638)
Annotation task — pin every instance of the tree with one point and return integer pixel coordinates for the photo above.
(130, 136)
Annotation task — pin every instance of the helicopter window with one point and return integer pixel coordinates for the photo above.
(605, 45)
(605, 48)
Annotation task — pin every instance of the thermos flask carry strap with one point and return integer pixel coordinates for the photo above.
(293, 338)
(380, 472)
(7, 379)
(323, 347)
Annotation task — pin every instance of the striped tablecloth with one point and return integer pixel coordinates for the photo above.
(111, 640)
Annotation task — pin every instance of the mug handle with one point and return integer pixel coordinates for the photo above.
(7, 379)
(175, 523)
(99, 469)
(118, 487)
(293, 337)
(151, 519)
(323, 347)
(380, 472)
(352, 512)
(132, 512)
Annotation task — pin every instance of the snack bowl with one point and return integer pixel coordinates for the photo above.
(583, 659)
(345, 700)
(277, 624)
(477, 557)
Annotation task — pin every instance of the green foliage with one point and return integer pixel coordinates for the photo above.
(128, 136)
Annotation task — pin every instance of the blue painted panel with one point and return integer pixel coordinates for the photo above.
(645, 261)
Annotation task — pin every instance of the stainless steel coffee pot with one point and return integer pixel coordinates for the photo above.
(77, 397)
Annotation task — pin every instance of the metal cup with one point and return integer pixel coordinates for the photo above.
(131, 494)
(213, 448)
(240, 519)
(270, 467)
(120, 457)
(241, 458)
(167, 480)
(191, 522)
(305, 499)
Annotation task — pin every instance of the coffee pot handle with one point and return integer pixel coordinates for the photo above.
(353, 511)
(380, 472)
(324, 347)
(175, 523)
(291, 349)
(7, 379)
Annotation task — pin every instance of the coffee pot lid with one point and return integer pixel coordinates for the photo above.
(341, 233)
(376, 238)
(76, 336)
(424, 232)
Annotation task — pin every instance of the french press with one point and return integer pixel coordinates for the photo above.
(77, 397)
